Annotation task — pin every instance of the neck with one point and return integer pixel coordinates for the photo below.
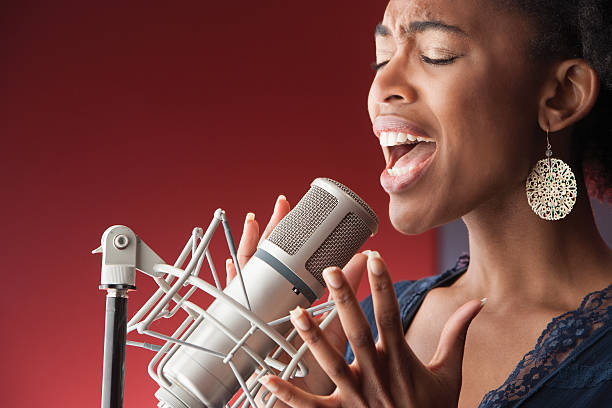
(517, 257)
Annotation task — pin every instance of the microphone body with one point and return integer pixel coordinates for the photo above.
(326, 228)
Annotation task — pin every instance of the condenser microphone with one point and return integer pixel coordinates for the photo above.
(326, 228)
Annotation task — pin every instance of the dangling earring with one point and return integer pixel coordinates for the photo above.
(551, 187)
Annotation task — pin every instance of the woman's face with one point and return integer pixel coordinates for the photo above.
(456, 74)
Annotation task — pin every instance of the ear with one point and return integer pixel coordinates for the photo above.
(569, 95)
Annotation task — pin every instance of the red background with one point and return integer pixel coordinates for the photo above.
(152, 114)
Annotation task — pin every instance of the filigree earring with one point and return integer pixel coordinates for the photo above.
(551, 187)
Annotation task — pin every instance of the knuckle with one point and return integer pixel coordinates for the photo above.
(381, 285)
(287, 395)
(243, 252)
(338, 369)
(311, 337)
(360, 338)
(388, 320)
(244, 256)
(344, 298)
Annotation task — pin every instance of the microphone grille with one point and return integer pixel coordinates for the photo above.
(339, 247)
(297, 226)
(355, 197)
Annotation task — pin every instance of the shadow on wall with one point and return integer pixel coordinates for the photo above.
(453, 238)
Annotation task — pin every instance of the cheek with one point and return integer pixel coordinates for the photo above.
(486, 129)
(371, 104)
(487, 126)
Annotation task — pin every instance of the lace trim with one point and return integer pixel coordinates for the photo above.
(462, 262)
(562, 335)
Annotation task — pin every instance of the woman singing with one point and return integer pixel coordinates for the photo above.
(497, 112)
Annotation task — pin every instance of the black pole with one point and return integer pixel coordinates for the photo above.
(115, 332)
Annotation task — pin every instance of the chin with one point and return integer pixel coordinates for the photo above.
(408, 222)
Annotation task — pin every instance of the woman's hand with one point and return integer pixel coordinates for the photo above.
(385, 374)
(250, 236)
(317, 381)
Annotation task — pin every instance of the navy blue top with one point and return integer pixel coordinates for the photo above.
(570, 365)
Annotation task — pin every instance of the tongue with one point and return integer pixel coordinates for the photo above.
(417, 155)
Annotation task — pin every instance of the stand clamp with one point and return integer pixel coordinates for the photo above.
(122, 253)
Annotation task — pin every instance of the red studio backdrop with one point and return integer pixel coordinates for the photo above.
(152, 115)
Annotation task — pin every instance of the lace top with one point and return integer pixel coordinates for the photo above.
(570, 365)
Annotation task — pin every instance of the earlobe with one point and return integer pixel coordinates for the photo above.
(569, 96)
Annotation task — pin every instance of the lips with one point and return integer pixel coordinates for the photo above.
(408, 150)
(387, 123)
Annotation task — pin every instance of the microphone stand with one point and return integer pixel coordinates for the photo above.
(122, 253)
(115, 333)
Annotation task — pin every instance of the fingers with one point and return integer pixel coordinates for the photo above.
(330, 360)
(354, 269)
(354, 272)
(354, 323)
(250, 235)
(448, 358)
(230, 271)
(398, 357)
(248, 241)
(281, 208)
(386, 308)
(292, 395)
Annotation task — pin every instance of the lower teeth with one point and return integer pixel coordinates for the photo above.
(399, 172)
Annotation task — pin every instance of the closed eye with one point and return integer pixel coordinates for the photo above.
(378, 65)
(438, 61)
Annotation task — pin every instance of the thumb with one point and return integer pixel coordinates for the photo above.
(448, 359)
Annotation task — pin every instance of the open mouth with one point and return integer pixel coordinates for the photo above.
(406, 153)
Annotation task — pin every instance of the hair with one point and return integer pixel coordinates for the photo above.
(580, 29)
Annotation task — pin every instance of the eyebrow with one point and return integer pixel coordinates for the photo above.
(419, 27)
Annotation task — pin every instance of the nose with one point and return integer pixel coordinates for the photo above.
(392, 84)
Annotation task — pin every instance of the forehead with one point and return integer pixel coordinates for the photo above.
(502, 35)
(471, 15)
(396, 9)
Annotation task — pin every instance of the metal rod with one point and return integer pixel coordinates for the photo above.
(113, 372)
(232, 248)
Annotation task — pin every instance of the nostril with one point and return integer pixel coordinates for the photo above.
(393, 97)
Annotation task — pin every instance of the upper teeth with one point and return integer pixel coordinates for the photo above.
(398, 138)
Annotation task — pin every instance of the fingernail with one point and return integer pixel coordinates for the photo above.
(278, 200)
(332, 277)
(268, 383)
(249, 217)
(375, 263)
(483, 301)
(228, 262)
(299, 318)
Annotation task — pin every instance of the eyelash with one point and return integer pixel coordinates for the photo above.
(378, 65)
(433, 61)
(440, 61)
